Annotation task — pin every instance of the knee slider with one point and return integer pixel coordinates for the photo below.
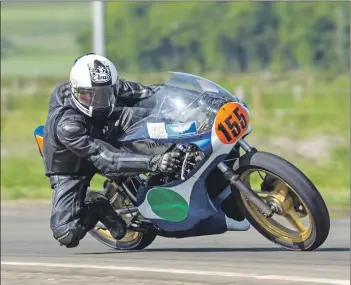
(69, 238)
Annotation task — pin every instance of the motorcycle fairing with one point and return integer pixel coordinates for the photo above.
(202, 215)
(38, 135)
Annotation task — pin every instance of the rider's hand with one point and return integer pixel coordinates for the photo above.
(168, 162)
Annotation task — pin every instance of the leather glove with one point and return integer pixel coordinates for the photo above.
(168, 162)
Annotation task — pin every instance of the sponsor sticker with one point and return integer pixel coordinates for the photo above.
(157, 130)
(181, 129)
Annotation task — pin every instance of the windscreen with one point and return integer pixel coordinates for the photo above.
(188, 103)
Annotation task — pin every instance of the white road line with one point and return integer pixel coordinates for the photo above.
(185, 271)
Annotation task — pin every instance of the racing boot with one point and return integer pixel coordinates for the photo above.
(109, 190)
(114, 223)
(102, 209)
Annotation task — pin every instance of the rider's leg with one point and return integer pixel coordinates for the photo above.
(74, 212)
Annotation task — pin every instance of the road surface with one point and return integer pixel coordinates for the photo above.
(30, 255)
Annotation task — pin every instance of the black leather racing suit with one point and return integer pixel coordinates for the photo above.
(75, 150)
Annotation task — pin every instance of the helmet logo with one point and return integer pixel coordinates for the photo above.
(99, 72)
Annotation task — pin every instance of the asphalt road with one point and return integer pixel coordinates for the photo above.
(29, 255)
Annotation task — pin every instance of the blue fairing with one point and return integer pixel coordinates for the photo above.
(183, 111)
(203, 141)
(202, 217)
(204, 144)
(201, 213)
(39, 131)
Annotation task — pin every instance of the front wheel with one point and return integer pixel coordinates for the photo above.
(301, 220)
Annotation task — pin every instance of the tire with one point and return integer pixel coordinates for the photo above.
(300, 185)
(142, 241)
(132, 240)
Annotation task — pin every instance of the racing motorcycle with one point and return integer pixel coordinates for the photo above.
(224, 183)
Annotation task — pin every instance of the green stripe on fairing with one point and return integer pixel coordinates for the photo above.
(167, 204)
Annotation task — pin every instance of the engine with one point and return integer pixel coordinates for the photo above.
(191, 157)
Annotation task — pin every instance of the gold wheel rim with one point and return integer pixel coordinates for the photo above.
(283, 198)
(130, 235)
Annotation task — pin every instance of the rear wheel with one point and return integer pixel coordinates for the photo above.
(132, 240)
(301, 221)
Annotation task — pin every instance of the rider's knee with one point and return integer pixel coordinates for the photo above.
(69, 236)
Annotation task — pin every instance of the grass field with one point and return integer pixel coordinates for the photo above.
(313, 134)
(40, 38)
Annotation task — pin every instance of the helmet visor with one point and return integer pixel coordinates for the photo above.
(97, 97)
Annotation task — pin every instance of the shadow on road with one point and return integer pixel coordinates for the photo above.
(247, 249)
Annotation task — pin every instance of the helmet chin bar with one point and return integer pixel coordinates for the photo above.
(89, 111)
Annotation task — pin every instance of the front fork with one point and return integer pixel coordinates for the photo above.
(235, 180)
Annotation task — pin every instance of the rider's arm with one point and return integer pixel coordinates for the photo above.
(72, 132)
(124, 118)
(130, 93)
(136, 112)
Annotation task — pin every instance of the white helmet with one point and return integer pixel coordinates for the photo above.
(94, 83)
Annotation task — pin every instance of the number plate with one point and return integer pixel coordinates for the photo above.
(231, 122)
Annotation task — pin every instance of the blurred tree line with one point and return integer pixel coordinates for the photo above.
(226, 36)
